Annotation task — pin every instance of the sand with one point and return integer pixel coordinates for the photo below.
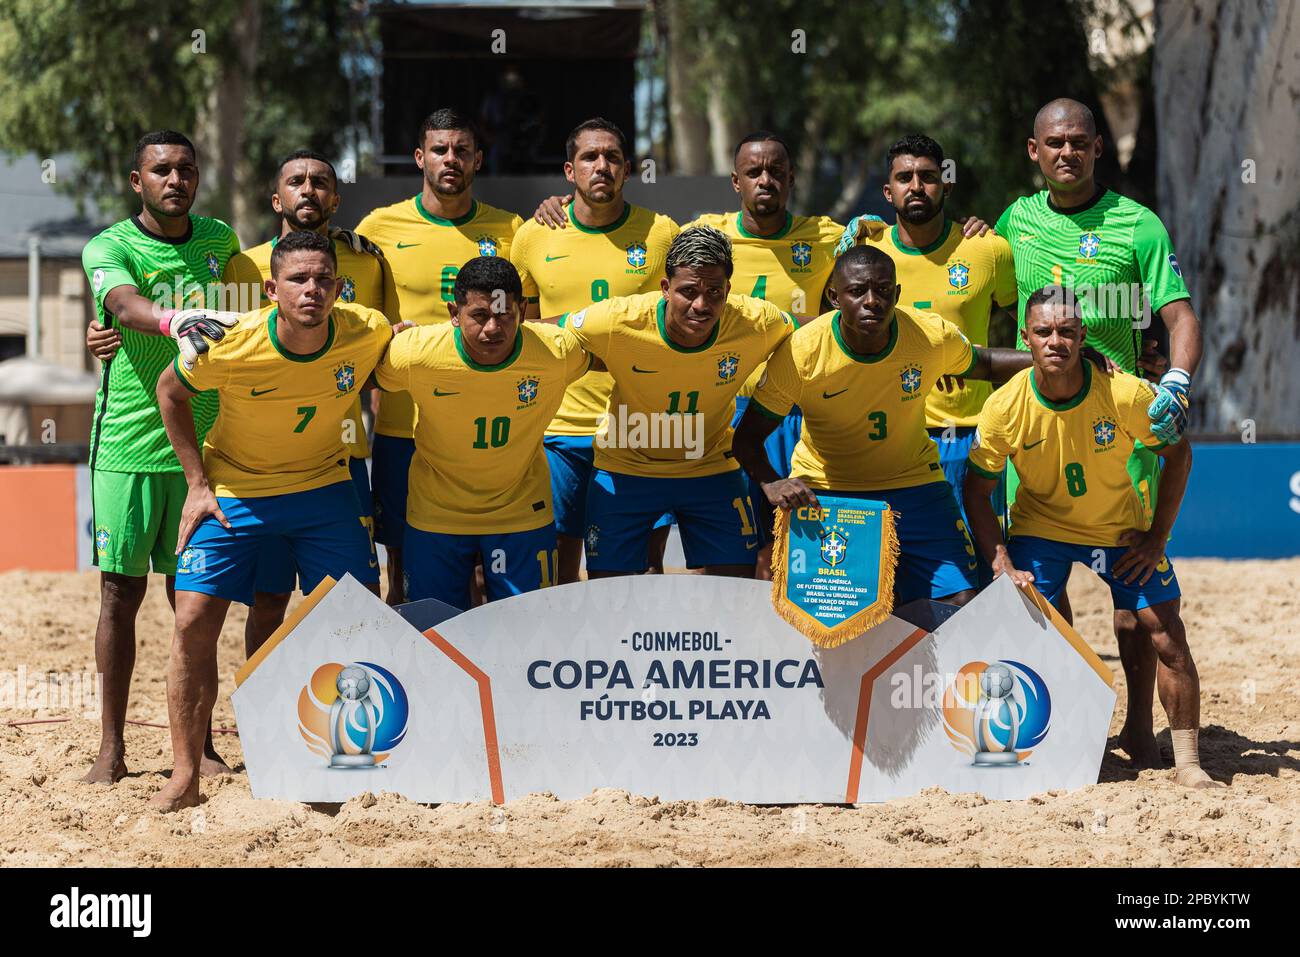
(1241, 617)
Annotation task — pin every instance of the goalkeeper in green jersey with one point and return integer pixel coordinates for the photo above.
(154, 277)
(1117, 257)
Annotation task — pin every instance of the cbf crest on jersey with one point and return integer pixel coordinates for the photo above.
(527, 391)
(1103, 433)
(1089, 245)
(214, 266)
(487, 246)
(636, 256)
(347, 289)
(728, 365)
(911, 379)
(801, 254)
(345, 377)
(959, 275)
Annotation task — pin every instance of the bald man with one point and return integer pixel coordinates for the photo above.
(1117, 256)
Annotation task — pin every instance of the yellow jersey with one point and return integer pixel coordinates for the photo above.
(960, 279)
(790, 268)
(863, 415)
(424, 254)
(671, 407)
(1071, 457)
(280, 426)
(479, 466)
(360, 280)
(565, 269)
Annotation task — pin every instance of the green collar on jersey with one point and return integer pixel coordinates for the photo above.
(661, 312)
(1068, 403)
(439, 220)
(944, 235)
(478, 366)
(740, 227)
(294, 356)
(858, 356)
(573, 218)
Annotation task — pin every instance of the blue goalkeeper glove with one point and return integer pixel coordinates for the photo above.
(849, 238)
(1168, 411)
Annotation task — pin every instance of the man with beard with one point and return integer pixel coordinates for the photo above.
(613, 249)
(940, 270)
(425, 241)
(141, 271)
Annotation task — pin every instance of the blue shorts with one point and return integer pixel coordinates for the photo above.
(321, 527)
(954, 453)
(441, 566)
(779, 446)
(713, 515)
(390, 473)
(936, 558)
(276, 574)
(569, 457)
(1051, 563)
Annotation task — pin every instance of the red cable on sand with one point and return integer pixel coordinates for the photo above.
(142, 724)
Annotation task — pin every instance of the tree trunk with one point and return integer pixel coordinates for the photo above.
(688, 124)
(234, 193)
(1227, 91)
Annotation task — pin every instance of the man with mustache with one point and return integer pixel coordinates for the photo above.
(426, 239)
(1070, 433)
(861, 374)
(607, 248)
(141, 271)
(1117, 256)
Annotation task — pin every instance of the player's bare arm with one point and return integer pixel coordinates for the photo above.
(747, 445)
(178, 419)
(984, 528)
(1147, 549)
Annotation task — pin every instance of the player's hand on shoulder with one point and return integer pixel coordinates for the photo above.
(1002, 566)
(195, 330)
(789, 494)
(974, 226)
(858, 227)
(550, 211)
(1104, 363)
(1152, 364)
(402, 326)
(103, 341)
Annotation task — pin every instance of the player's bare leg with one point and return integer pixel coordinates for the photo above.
(1137, 653)
(478, 584)
(655, 553)
(763, 570)
(120, 597)
(570, 554)
(191, 693)
(212, 763)
(730, 571)
(266, 615)
(1063, 606)
(958, 598)
(1180, 689)
(396, 586)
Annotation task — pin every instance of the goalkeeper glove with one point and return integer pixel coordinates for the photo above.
(857, 225)
(1168, 412)
(355, 241)
(195, 330)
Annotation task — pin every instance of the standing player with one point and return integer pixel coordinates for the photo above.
(614, 249)
(1070, 433)
(861, 375)
(1116, 255)
(141, 270)
(425, 241)
(486, 386)
(274, 466)
(940, 270)
(677, 358)
(306, 197)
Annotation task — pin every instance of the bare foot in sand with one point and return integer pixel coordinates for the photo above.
(212, 764)
(1195, 777)
(176, 794)
(109, 768)
(1142, 749)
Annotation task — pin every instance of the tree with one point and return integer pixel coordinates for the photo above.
(1227, 77)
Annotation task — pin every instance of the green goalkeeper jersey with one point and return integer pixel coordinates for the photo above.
(1113, 252)
(184, 273)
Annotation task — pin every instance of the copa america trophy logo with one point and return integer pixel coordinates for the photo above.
(996, 707)
(354, 714)
(354, 689)
(997, 712)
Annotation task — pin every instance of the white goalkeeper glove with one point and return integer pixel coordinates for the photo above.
(196, 329)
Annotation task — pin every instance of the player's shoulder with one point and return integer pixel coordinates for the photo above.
(652, 223)
(1124, 387)
(757, 309)
(352, 317)
(251, 331)
(119, 235)
(822, 229)
(209, 227)
(990, 244)
(718, 221)
(490, 216)
(931, 325)
(381, 218)
(547, 337)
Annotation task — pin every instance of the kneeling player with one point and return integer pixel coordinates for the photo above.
(1070, 432)
(861, 375)
(486, 386)
(274, 466)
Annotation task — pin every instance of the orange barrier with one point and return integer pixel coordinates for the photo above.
(38, 518)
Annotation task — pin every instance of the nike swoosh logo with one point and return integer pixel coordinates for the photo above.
(831, 395)
(441, 394)
(749, 547)
(408, 245)
(150, 275)
(1030, 445)
(551, 259)
(1166, 581)
(645, 371)
(264, 391)
(1025, 236)
(970, 566)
